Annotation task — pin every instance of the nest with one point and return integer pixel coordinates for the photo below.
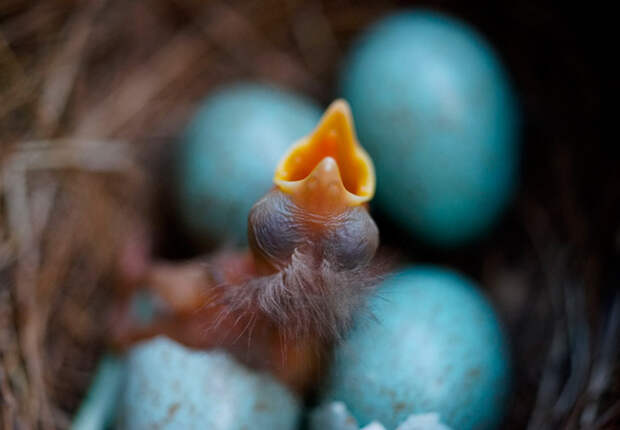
(94, 91)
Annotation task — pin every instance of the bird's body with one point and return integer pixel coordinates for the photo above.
(281, 305)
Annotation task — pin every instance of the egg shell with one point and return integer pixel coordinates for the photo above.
(434, 108)
(99, 408)
(336, 416)
(229, 153)
(434, 345)
(172, 387)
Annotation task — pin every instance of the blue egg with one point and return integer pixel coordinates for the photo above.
(171, 387)
(229, 153)
(434, 346)
(434, 108)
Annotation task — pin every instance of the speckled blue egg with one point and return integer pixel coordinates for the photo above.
(229, 152)
(435, 346)
(171, 387)
(434, 108)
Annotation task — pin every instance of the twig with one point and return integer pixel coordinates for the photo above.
(91, 155)
(141, 86)
(602, 370)
(607, 416)
(25, 234)
(19, 85)
(550, 384)
(219, 22)
(65, 66)
(579, 344)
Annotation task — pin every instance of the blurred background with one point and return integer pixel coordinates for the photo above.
(94, 95)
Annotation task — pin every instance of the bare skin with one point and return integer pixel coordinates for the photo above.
(281, 305)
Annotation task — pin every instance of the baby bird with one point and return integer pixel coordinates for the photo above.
(281, 306)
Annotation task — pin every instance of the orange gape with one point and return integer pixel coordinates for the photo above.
(281, 306)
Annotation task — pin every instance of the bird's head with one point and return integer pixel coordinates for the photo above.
(319, 203)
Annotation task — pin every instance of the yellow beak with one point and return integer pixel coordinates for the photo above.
(328, 171)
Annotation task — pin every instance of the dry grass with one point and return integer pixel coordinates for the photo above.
(92, 89)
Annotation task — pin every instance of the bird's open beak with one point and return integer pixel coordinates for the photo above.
(328, 171)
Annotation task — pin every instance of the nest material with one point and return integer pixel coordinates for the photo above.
(90, 89)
